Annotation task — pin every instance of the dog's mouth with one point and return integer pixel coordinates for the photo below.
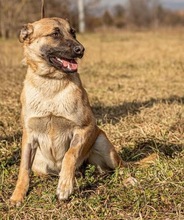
(64, 64)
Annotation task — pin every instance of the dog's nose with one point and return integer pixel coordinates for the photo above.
(78, 50)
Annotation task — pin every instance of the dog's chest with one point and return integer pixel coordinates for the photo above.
(51, 121)
(62, 104)
(53, 134)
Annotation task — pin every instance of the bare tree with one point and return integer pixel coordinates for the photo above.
(9, 15)
(15, 13)
(119, 14)
(142, 12)
(107, 19)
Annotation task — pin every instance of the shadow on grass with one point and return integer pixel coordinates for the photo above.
(144, 148)
(112, 114)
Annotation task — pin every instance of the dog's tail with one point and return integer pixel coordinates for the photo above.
(145, 162)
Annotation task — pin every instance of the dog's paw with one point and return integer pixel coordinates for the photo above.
(16, 200)
(64, 189)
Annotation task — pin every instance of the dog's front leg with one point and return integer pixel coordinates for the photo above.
(27, 157)
(79, 149)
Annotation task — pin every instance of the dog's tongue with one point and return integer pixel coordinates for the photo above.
(70, 64)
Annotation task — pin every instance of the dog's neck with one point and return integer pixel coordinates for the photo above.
(51, 85)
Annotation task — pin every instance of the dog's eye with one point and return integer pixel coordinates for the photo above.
(56, 34)
(72, 32)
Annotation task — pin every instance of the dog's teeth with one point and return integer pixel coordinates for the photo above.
(59, 59)
(69, 67)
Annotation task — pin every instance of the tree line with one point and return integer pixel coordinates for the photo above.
(142, 13)
(136, 13)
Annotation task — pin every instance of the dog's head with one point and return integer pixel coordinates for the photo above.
(50, 45)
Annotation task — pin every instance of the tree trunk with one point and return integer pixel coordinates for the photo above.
(81, 16)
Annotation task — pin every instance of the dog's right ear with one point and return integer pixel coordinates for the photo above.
(25, 32)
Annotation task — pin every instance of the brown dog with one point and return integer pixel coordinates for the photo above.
(59, 128)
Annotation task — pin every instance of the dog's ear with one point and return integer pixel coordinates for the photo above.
(25, 32)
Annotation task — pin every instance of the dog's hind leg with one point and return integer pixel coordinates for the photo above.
(43, 166)
(103, 154)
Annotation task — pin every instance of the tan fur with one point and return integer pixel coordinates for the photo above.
(59, 128)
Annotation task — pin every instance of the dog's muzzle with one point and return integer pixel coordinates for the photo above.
(63, 58)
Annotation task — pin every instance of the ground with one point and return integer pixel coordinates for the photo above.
(135, 82)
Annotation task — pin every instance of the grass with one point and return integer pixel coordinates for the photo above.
(135, 86)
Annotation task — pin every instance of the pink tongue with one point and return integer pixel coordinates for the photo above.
(71, 65)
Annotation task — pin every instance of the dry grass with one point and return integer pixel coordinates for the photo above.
(135, 82)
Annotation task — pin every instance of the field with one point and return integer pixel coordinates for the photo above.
(135, 82)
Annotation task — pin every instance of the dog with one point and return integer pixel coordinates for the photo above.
(59, 128)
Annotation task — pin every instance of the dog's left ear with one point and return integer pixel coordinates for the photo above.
(25, 32)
